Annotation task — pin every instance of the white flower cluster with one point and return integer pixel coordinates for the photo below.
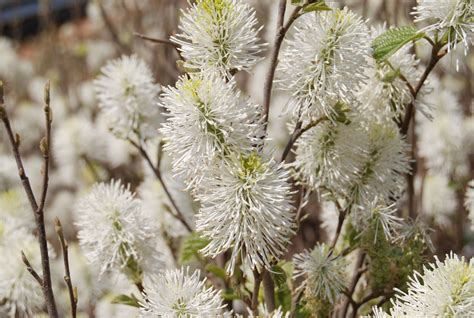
(323, 273)
(127, 95)
(177, 293)
(115, 233)
(452, 19)
(323, 63)
(444, 289)
(20, 293)
(207, 119)
(247, 206)
(219, 36)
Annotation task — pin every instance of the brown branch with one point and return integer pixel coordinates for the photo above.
(67, 274)
(160, 41)
(30, 269)
(355, 279)
(45, 147)
(14, 139)
(435, 58)
(268, 290)
(256, 288)
(158, 175)
(297, 133)
(281, 31)
(112, 30)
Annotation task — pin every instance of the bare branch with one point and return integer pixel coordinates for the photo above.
(31, 270)
(67, 274)
(38, 213)
(158, 175)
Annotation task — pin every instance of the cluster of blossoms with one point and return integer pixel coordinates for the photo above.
(444, 289)
(111, 215)
(212, 191)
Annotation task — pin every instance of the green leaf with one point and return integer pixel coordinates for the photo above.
(216, 270)
(316, 6)
(126, 300)
(391, 76)
(278, 276)
(388, 43)
(191, 246)
(229, 294)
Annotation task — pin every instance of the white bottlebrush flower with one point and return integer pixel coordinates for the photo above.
(324, 61)
(439, 199)
(328, 216)
(444, 289)
(322, 273)
(114, 232)
(177, 293)
(379, 216)
(219, 35)
(469, 201)
(329, 154)
(20, 293)
(206, 118)
(127, 95)
(456, 17)
(385, 164)
(246, 206)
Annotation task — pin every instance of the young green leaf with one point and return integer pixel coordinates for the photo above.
(388, 43)
(316, 6)
(126, 300)
(191, 246)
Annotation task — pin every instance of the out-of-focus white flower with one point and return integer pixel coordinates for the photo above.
(329, 218)
(444, 289)
(219, 35)
(380, 216)
(439, 199)
(8, 173)
(127, 95)
(453, 17)
(177, 293)
(385, 164)
(114, 232)
(330, 154)
(322, 273)
(440, 140)
(323, 62)
(207, 118)
(22, 70)
(76, 138)
(156, 204)
(20, 293)
(469, 201)
(246, 206)
(14, 206)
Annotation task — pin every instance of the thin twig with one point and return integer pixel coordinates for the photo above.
(67, 273)
(38, 213)
(160, 41)
(281, 31)
(45, 147)
(435, 58)
(257, 277)
(297, 133)
(355, 279)
(30, 269)
(158, 175)
(111, 29)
